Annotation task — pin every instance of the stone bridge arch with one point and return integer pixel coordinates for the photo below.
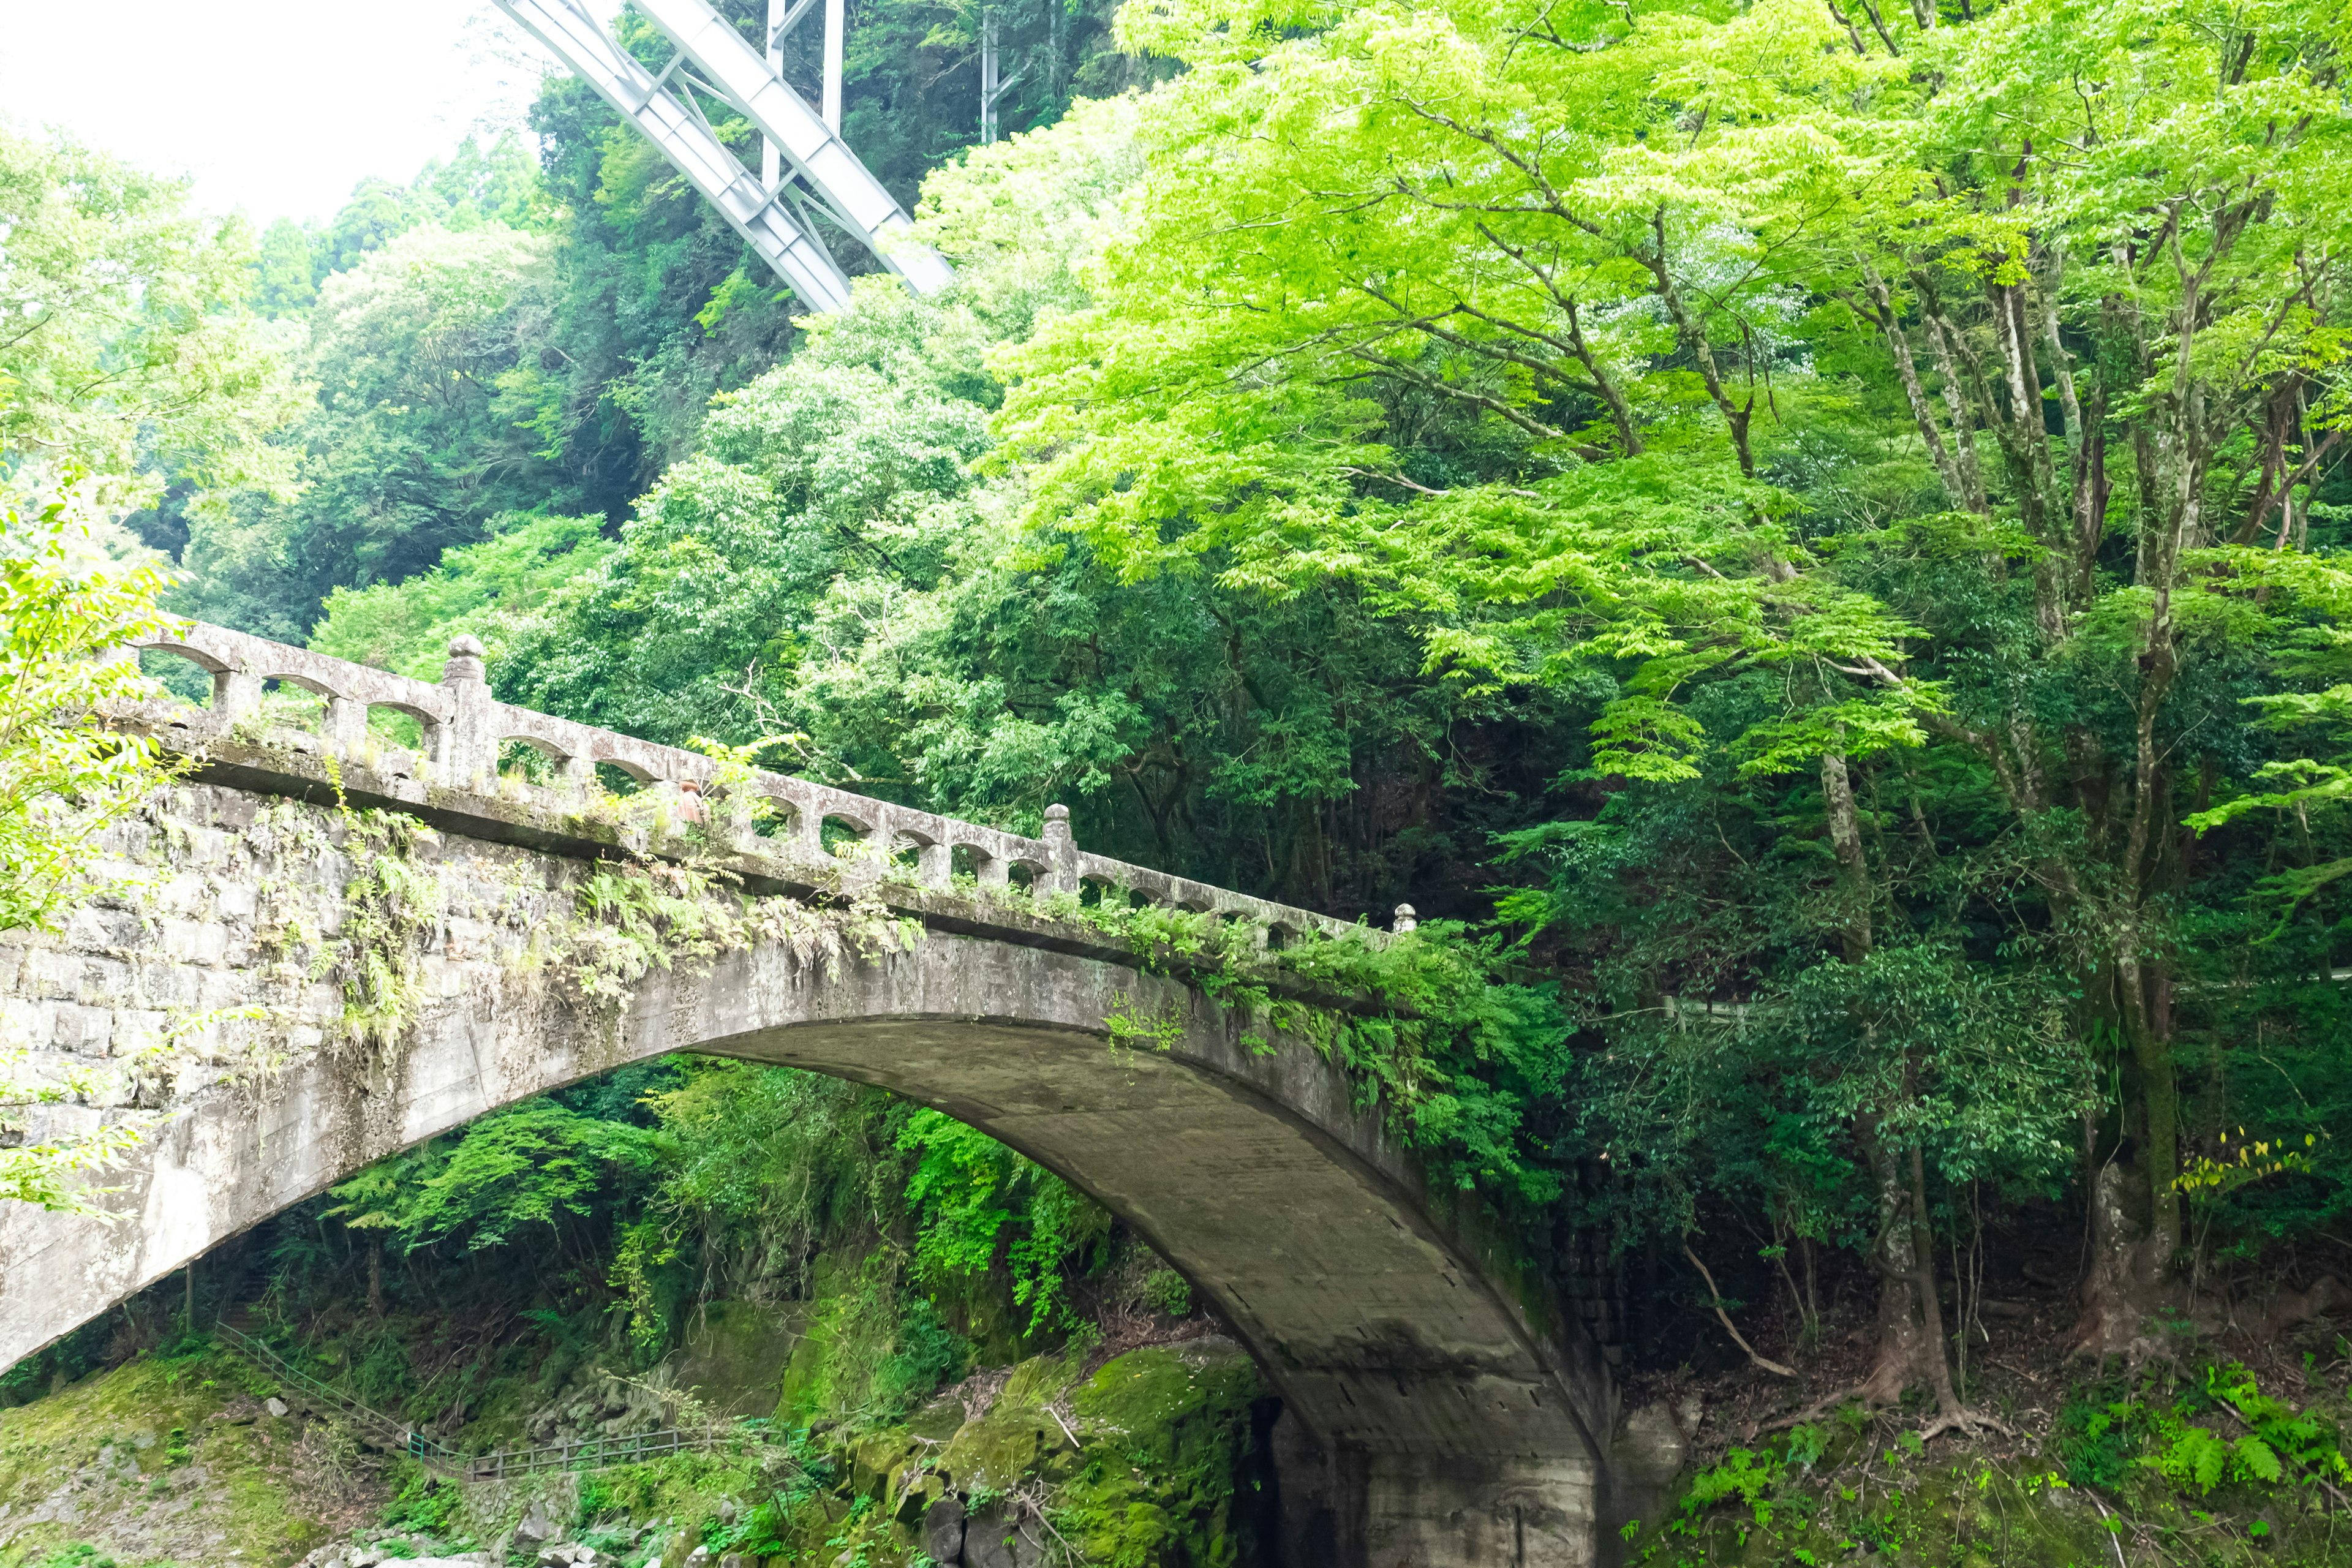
(1460, 1418)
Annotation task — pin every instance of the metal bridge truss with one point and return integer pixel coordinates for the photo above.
(808, 172)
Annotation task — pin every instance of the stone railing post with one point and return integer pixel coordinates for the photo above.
(1405, 920)
(236, 695)
(579, 777)
(346, 726)
(807, 838)
(469, 750)
(1061, 852)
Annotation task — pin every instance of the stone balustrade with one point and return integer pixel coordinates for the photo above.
(465, 731)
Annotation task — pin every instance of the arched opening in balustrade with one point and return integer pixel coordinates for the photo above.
(1101, 892)
(290, 703)
(1022, 877)
(775, 817)
(842, 836)
(910, 852)
(527, 763)
(968, 865)
(1236, 926)
(620, 778)
(184, 675)
(398, 739)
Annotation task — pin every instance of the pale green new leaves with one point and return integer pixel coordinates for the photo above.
(65, 779)
(425, 314)
(1589, 233)
(124, 337)
(1515, 216)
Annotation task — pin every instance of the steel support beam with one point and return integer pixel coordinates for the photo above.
(814, 148)
(772, 157)
(991, 88)
(641, 97)
(836, 23)
(803, 145)
(783, 16)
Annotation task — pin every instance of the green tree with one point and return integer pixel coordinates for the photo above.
(1639, 248)
(129, 346)
(477, 588)
(66, 779)
(410, 449)
(284, 283)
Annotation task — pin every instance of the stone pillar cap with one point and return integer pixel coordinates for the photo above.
(465, 659)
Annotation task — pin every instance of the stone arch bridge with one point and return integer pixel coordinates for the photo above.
(1460, 1417)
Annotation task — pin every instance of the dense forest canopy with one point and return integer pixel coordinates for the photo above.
(1816, 530)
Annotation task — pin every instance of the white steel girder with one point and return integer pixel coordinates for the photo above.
(814, 148)
(731, 69)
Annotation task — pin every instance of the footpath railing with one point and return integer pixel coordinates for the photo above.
(399, 1438)
(465, 733)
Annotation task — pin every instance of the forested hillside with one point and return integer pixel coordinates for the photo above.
(1808, 541)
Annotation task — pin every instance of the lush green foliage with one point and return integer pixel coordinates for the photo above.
(65, 780)
(1746, 385)
(1693, 470)
(965, 1191)
(2218, 1430)
(531, 1165)
(128, 345)
(1812, 542)
(64, 777)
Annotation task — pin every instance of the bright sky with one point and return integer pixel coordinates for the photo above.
(277, 107)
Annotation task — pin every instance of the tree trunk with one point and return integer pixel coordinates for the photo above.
(1906, 370)
(2146, 1028)
(1905, 1350)
(1910, 1318)
(2128, 1277)
(1845, 840)
(1923, 1255)
(2129, 1280)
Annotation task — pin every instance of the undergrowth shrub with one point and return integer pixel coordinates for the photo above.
(2257, 1441)
(2218, 1431)
(421, 1500)
(1752, 1477)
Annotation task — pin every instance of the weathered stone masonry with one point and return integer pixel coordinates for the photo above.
(1459, 1416)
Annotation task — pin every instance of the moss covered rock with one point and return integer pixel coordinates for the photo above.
(997, 1452)
(172, 1458)
(736, 1351)
(1166, 1430)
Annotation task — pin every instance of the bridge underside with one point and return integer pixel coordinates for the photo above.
(1449, 1423)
